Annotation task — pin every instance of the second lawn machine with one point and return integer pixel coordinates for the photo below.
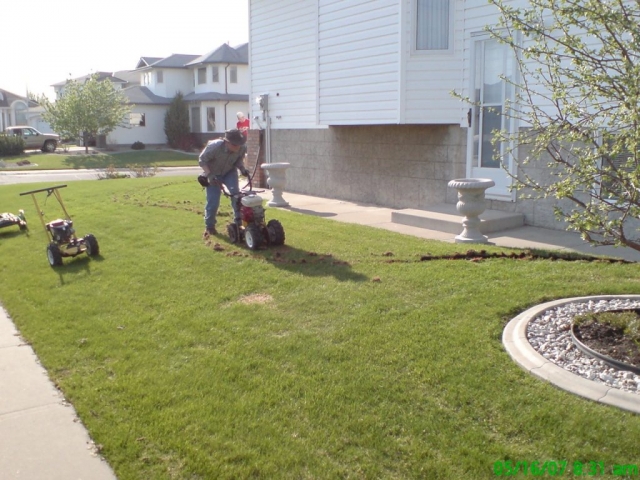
(253, 229)
(63, 241)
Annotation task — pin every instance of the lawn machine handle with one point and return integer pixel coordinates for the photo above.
(48, 190)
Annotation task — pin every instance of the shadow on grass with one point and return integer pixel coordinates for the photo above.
(74, 265)
(293, 260)
(91, 161)
(6, 234)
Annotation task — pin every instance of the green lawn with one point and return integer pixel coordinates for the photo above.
(338, 355)
(57, 161)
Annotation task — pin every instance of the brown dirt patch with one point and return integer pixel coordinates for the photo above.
(256, 298)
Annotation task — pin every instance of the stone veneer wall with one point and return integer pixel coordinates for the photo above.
(396, 166)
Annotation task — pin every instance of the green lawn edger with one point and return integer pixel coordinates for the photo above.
(62, 236)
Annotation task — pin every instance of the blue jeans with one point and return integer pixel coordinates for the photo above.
(229, 180)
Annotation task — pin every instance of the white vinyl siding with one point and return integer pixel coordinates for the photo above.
(358, 62)
(283, 60)
(429, 79)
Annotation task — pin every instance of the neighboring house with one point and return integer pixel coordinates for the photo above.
(118, 83)
(18, 110)
(215, 86)
(359, 99)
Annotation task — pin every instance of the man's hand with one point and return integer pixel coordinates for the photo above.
(245, 172)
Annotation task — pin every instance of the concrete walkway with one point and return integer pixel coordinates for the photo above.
(40, 434)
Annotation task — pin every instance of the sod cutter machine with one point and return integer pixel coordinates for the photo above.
(62, 238)
(252, 228)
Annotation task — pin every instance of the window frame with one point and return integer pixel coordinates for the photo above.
(201, 80)
(414, 32)
(209, 109)
(215, 74)
(233, 74)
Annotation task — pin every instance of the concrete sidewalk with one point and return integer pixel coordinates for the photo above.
(40, 434)
(379, 217)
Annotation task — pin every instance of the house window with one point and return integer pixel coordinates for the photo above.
(202, 76)
(137, 119)
(233, 74)
(21, 113)
(215, 77)
(195, 119)
(160, 76)
(211, 119)
(433, 25)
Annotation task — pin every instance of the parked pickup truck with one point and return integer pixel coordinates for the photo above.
(33, 139)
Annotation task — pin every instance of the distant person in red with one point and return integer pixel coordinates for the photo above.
(243, 124)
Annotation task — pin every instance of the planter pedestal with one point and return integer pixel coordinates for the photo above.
(277, 180)
(471, 203)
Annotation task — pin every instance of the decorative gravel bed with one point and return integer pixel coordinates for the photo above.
(550, 335)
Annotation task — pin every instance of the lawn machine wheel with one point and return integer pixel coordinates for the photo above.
(53, 254)
(234, 233)
(253, 237)
(276, 232)
(91, 243)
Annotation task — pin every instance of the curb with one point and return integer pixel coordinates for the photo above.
(514, 339)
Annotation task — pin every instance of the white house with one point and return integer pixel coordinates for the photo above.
(18, 110)
(215, 85)
(359, 99)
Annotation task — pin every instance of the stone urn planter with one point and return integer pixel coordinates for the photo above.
(471, 203)
(277, 179)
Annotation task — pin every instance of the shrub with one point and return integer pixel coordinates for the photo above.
(137, 146)
(176, 121)
(139, 171)
(111, 173)
(11, 145)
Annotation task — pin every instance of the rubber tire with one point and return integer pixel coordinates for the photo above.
(53, 254)
(234, 233)
(49, 146)
(276, 232)
(253, 237)
(93, 249)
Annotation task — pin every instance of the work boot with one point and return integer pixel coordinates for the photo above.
(209, 231)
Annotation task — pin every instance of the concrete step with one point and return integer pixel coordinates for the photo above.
(445, 218)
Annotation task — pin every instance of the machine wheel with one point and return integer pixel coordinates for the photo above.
(23, 225)
(276, 232)
(49, 146)
(91, 242)
(53, 254)
(234, 233)
(253, 237)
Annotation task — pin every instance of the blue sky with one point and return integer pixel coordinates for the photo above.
(48, 42)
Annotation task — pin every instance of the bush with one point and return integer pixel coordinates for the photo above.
(11, 145)
(137, 146)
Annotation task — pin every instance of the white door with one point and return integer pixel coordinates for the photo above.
(491, 60)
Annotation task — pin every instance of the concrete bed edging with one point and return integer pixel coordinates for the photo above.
(514, 339)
